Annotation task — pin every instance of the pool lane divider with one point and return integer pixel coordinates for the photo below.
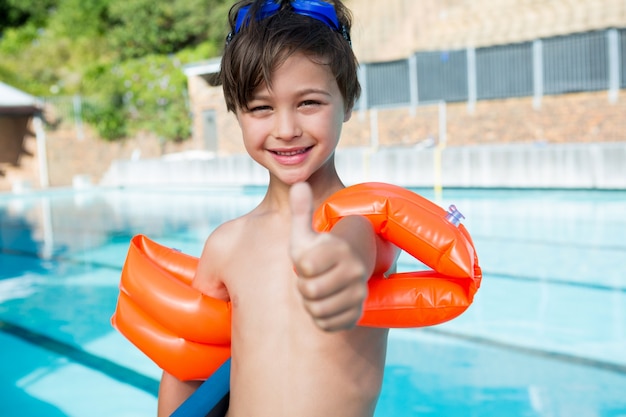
(59, 259)
(212, 395)
(89, 360)
(556, 281)
(541, 353)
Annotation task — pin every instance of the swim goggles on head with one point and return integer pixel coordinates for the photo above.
(317, 9)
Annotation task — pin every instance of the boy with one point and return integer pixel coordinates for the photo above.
(289, 75)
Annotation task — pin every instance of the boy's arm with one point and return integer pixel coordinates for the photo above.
(172, 391)
(333, 268)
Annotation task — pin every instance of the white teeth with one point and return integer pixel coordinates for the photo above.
(291, 153)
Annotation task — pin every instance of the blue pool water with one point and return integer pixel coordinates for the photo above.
(546, 335)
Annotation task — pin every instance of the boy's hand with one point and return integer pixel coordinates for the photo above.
(332, 277)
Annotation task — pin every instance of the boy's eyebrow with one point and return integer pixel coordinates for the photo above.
(313, 91)
(303, 92)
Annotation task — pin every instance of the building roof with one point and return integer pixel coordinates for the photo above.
(203, 69)
(14, 101)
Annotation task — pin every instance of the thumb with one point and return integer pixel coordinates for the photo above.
(301, 203)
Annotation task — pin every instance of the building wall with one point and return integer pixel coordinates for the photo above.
(204, 97)
(571, 118)
(394, 29)
(73, 154)
(18, 163)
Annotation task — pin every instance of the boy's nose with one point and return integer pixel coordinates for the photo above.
(286, 126)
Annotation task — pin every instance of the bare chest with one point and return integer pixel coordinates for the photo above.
(260, 278)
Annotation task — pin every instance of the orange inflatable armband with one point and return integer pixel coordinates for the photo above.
(182, 330)
(422, 229)
(187, 333)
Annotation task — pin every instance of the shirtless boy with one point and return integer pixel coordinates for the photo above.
(290, 77)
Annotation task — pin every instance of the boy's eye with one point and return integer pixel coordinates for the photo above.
(256, 109)
(310, 103)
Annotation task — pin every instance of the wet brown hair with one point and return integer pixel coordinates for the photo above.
(260, 47)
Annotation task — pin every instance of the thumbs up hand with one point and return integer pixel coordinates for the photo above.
(332, 268)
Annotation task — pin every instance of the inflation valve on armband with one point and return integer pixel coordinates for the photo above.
(454, 216)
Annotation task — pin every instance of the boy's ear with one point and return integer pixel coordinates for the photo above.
(347, 115)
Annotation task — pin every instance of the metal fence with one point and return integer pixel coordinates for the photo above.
(589, 61)
(387, 83)
(622, 60)
(504, 71)
(442, 76)
(576, 63)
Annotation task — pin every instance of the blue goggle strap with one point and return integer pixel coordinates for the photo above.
(268, 9)
(316, 9)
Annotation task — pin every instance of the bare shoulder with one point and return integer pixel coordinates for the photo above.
(219, 250)
(225, 237)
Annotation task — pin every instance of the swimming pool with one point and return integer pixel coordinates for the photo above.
(546, 335)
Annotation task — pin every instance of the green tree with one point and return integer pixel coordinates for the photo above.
(143, 27)
(149, 92)
(80, 19)
(124, 57)
(16, 13)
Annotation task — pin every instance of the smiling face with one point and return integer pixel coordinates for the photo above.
(293, 126)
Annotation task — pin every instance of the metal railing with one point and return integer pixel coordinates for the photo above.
(589, 61)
